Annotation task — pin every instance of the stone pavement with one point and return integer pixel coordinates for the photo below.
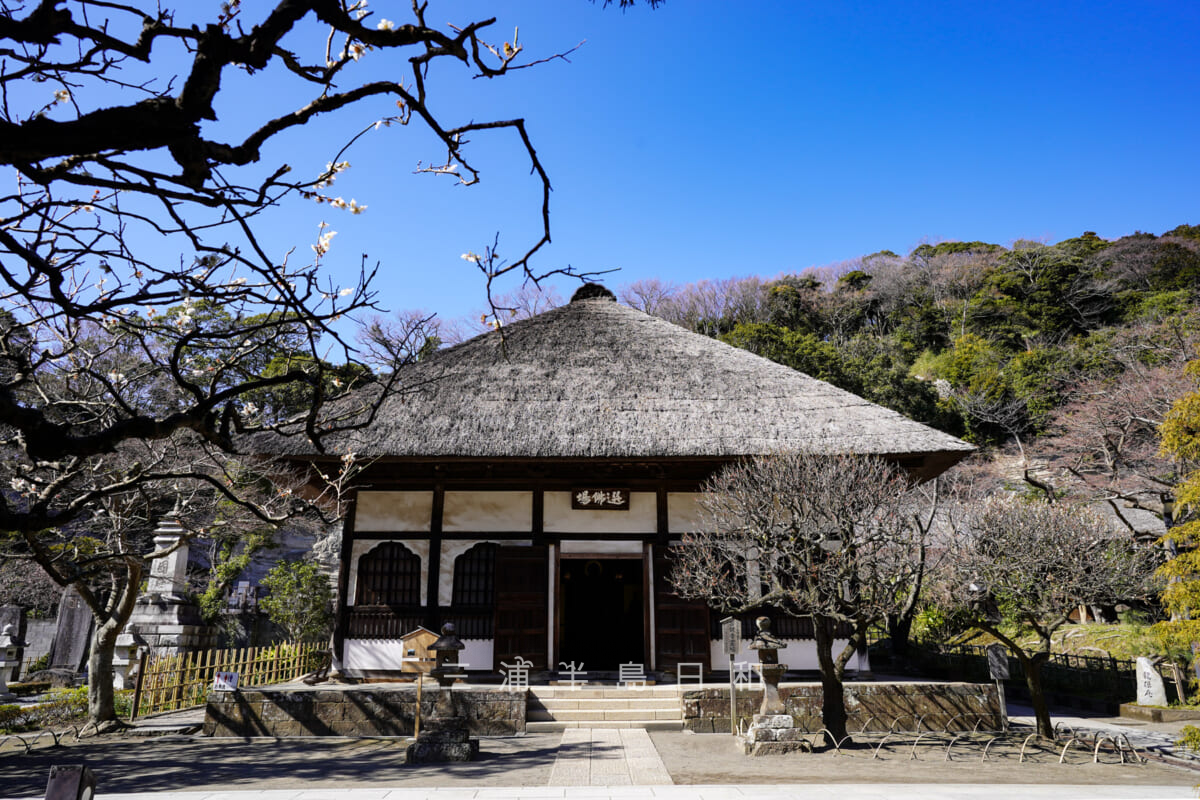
(608, 757)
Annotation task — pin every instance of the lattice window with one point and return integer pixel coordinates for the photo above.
(475, 576)
(389, 575)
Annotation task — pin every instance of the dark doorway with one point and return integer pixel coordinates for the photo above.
(602, 620)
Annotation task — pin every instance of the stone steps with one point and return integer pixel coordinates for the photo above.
(556, 708)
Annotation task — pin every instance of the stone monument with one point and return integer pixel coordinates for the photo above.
(1150, 688)
(772, 730)
(164, 618)
(444, 735)
(72, 633)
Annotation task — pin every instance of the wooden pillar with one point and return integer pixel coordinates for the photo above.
(433, 619)
(342, 623)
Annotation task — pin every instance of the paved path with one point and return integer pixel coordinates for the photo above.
(608, 757)
(1154, 740)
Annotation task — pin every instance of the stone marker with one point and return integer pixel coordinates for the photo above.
(1150, 688)
(73, 634)
(167, 621)
(168, 575)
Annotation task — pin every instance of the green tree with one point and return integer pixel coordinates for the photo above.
(1181, 573)
(299, 600)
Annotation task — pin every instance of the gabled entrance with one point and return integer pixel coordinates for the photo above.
(601, 619)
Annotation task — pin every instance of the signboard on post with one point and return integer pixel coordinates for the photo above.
(730, 641)
(998, 662)
(730, 636)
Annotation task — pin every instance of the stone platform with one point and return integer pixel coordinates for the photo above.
(378, 709)
(870, 706)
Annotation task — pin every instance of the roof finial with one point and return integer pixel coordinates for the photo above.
(591, 290)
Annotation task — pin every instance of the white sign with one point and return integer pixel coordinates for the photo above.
(730, 636)
(225, 682)
(1150, 689)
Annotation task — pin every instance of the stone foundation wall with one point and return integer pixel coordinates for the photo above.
(870, 706)
(354, 711)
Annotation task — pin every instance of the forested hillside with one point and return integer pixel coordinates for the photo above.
(1065, 355)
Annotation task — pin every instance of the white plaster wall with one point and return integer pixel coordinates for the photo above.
(364, 654)
(487, 512)
(559, 517)
(451, 550)
(363, 546)
(683, 512)
(372, 654)
(799, 654)
(478, 654)
(601, 547)
(393, 511)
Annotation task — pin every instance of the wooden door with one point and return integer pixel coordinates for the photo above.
(522, 579)
(681, 631)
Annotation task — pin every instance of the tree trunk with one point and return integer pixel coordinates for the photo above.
(833, 699)
(102, 710)
(899, 629)
(1037, 695)
(109, 622)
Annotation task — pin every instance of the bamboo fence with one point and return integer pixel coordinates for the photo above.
(169, 683)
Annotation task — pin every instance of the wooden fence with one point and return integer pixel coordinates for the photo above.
(169, 683)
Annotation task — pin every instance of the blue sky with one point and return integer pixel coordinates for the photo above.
(711, 139)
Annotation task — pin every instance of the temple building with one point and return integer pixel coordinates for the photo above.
(529, 487)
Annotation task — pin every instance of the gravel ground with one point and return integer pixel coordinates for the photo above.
(148, 764)
(712, 758)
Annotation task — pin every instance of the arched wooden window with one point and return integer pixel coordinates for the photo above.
(475, 576)
(389, 575)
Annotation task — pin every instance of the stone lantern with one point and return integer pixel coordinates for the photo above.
(444, 735)
(445, 650)
(772, 730)
(10, 650)
(125, 659)
(768, 646)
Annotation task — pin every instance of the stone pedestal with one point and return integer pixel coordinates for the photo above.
(443, 739)
(773, 735)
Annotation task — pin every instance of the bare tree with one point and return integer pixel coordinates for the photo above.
(650, 295)
(1106, 438)
(1037, 562)
(143, 319)
(821, 537)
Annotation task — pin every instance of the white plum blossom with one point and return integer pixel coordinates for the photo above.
(386, 25)
(322, 245)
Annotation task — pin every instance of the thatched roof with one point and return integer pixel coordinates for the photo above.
(596, 379)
